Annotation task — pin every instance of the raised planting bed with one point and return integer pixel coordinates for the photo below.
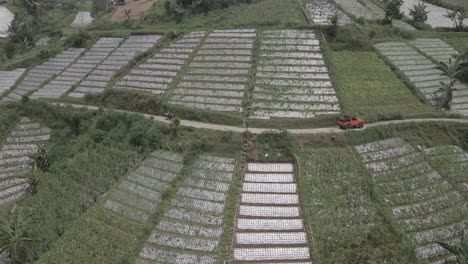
(79, 69)
(15, 158)
(192, 226)
(98, 79)
(37, 76)
(217, 77)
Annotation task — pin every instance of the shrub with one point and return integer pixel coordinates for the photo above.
(78, 39)
(277, 140)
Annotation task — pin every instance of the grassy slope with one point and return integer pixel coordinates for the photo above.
(460, 43)
(367, 87)
(99, 236)
(334, 191)
(265, 13)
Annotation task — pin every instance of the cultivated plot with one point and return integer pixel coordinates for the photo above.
(435, 17)
(15, 158)
(322, 12)
(38, 75)
(440, 51)
(157, 73)
(79, 69)
(425, 204)
(452, 163)
(368, 10)
(416, 67)
(218, 75)
(137, 197)
(292, 79)
(98, 79)
(269, 223)
(9, 78)
(192, 226)
(341, 212)
(82, 19)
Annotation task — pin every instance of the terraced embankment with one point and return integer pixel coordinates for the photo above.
(15, 158)
(37, 76)
(79, 69)
(423, 203)
(9, 78)
(422, 72)
(98, 79)
(192, 226)
(292, 80)
(156, 74)
(269, 224)
(218, 75)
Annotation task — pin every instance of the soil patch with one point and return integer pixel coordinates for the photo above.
(138, 8)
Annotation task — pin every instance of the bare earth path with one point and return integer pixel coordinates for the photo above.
(138, 8)
(322, 130)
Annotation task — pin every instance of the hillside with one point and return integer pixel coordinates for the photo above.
(253, 167)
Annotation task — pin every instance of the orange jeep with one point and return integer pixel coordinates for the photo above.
(346, 122)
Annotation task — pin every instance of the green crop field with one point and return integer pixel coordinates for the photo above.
(346, 223)
(367, 87)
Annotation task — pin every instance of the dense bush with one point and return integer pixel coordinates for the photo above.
(78, 39)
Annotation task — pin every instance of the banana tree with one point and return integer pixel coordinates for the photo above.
(451, 71)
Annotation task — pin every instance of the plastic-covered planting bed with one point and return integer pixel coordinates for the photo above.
(138, 195)
(6, 17)
(417, 195)
(37, 76)
(416, 67)
(79, 69)
(192, 226)
(217, 77)
(292, 80)
(157, 73)
(438, 50)
(9, 78)
(452, 162)
(436, 16)
(322, 12)
(98, 79)
(82, 19)
(269, 224)
(15, 158)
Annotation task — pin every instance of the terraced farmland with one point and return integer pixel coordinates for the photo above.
(157, 73)
(440, 51)
(191, 228)
(452, 163)
(338, 207)
(15, 158)
(118, 221)
(79, 69)
(218, 75)
(269, 224)
(9, 78)
(138, 195)
(98, 79)
(37, 76)
(424, 204)
(419, 70)
(321, 12)
(435, 17)
(292, 80)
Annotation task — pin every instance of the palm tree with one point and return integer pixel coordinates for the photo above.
(450, 70)
(16, 234)
(460, 250)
